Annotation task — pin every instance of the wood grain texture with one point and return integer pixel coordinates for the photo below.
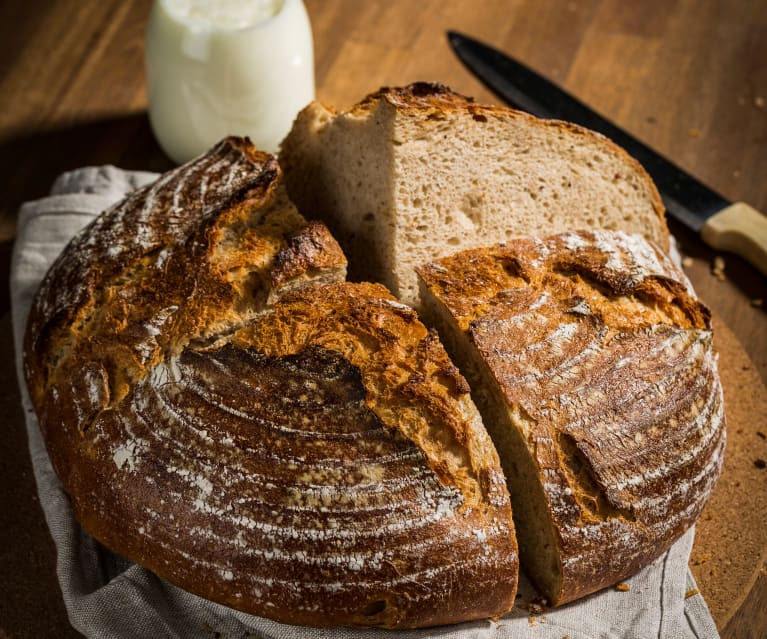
(734, 518)
(685, 76)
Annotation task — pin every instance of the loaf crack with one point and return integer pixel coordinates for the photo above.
(588, 490)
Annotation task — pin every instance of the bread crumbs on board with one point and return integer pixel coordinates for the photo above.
(622, 587)
(717, 268)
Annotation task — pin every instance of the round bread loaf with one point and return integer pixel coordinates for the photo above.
(224, 410)
(592, 364)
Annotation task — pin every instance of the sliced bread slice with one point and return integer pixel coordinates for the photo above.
(592, 365)
(414, 173)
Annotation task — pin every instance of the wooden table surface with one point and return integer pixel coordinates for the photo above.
(688, 77)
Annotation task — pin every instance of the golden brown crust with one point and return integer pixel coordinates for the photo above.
(411, 383)
(275, 487)
(603, 354)
(202, 429)
(122, 287)
(305, 258)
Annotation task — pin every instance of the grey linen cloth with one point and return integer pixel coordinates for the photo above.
(107, 596)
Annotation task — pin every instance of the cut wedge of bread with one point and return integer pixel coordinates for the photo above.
(592, 365)
(415, 173)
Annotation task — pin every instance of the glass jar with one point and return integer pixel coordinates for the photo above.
(226, 67)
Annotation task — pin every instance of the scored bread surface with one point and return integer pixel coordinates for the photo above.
(592, 365)
(125, 290)
(414, 173)
(224, 410)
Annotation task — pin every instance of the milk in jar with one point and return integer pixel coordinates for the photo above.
(226, 67)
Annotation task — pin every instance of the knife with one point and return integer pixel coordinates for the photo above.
(724, 225)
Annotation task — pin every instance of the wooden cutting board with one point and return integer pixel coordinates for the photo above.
(730, 551)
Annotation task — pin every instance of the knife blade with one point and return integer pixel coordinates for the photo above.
(735, 227)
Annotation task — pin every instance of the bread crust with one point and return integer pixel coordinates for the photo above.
(602, 356)
(187, 370)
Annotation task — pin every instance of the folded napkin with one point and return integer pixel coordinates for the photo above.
(107, 596)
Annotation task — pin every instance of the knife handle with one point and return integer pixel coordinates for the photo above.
(740, 229)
